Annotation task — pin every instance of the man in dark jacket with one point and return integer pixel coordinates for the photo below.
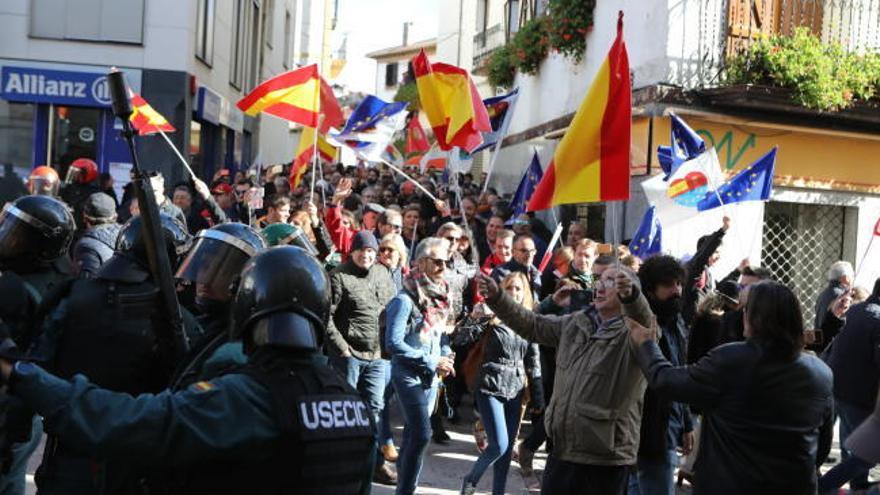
(97, 243)
(524, 252)
(666, 425)
(855, 361)
(361, 289)
(840, 278)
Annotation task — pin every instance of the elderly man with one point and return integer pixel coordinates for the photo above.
(524, 251)
(360, 290)
(594, 416)
(840, 279)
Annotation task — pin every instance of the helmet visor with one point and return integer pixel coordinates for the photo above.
(286, 329)
(300, 240)
(17, 236)
(215, 261)
(43, 186)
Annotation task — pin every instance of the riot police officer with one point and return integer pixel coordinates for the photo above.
(109, 329)
(214, 265)
(80, 182)
(35, 235)
(306, 431)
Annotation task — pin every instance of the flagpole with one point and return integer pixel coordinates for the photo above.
(407, 177)
(492, 163)
(177, 152)
(548, 254)
(315, 154)
(864, 256)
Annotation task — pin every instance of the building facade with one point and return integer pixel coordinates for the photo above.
(192, 61)
(826, 198)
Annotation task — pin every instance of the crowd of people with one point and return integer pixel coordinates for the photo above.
(630, 370)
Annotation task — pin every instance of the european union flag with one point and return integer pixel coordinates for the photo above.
(647, 240)
(371, 127)
(526, 188)
(685, 145)
(500, 109)
(754, 183)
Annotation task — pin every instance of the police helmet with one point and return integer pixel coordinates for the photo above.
(177, 240)
(81, 171)
(218, 256)
(283, 299)
(38, 228)
(278, 234)
(44, 181)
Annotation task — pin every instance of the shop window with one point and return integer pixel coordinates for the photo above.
(205, 31)
(17, 135)
(120, 21)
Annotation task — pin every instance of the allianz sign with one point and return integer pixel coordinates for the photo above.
(54, 86)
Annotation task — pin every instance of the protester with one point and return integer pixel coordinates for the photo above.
(594, 415)
(560, 265)
(393, 256)
(507, 359)
(417, 321)
(522, 261)
(840, 279)
(763, 400)
(97, 244)
(277, 211)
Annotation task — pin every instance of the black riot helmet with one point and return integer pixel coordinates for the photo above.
(35, 229)
(283, 300)
(131, 240)
(217, 258)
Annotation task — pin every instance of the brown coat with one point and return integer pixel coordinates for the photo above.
(596, 409)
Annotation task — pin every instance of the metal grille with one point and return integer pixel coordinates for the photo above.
(800, 243)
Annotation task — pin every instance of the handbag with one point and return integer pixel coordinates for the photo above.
(471, 366)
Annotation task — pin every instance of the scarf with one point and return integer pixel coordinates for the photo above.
(432, 299)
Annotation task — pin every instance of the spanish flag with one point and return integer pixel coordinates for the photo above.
(306, 152)
(452, 104)
(145, 119)
(300, 96)
(591, 162)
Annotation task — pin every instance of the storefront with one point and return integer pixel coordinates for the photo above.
(55, 113)
(217, 136)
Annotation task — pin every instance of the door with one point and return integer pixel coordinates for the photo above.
(73, 133)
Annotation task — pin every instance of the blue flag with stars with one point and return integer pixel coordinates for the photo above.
(647, 240)
(685, 144)
(371, 127)
(500, 110)
(754, 183)
(526, 188)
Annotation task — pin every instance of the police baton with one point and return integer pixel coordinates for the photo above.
(172, 340)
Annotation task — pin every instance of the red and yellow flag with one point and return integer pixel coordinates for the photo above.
(300, 96)
(416, 140)
(452, 104)
(145, 119)
(306, 152)
(591, 162)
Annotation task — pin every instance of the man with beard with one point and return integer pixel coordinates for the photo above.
(665, 425)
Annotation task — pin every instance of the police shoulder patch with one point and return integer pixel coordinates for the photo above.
(203, 386)
(333, 416)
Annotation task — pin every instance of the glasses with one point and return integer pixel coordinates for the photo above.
(386, 249)
(396, 226)
(438, 262)
(603, 284)
(452, 239)
(529, 251)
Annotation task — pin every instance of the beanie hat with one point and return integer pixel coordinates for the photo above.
(364, 239)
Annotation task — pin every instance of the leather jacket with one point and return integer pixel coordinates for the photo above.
(761, 415)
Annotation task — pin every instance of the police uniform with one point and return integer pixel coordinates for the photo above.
(307, 430)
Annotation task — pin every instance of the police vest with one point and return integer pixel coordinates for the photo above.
(326, 444)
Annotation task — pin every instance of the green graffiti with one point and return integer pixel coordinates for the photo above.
(729, 160)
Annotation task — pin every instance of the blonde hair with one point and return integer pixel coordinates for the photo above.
(301, 218)
(528, 299)
(395, 241)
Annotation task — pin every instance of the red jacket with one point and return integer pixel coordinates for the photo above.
(340, 234)
(491, 262)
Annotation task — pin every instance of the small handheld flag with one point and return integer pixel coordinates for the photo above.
(500, 111)
(647, 241)
(371, 127)
(145, 119)
(526, 188)
(416, 140)
(685, 144)
(753, 183)
(306, 152)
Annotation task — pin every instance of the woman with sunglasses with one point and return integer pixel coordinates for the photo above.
(500, 383)
(417, 325)
(393, 255)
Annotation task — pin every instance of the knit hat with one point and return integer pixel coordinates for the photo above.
(363, 240)
(99, 205)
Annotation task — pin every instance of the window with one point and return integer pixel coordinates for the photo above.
(482, 15)
(269, 22)
(16, 120)
(255, 55)
(391, 74)
(237, 50)
(205, 32)
(118, 21)
(286, 51)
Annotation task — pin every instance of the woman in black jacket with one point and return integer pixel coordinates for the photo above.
(507, 360)
(763, 400)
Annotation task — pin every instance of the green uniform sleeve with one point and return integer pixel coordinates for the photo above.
(230, 417)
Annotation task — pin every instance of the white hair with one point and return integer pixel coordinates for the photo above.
(427, 245)
(840, 269)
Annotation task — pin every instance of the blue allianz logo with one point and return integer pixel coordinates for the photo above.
(54, 86)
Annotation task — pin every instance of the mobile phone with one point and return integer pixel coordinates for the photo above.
(581, 297)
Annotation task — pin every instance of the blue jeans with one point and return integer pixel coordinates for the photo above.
(844, 471)
(368, 377)
(655, 476)
(13, 482)
(850, 418)
(416, 404)
(385, 435)
(501, 420)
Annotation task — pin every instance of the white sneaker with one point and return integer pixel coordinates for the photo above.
(467, 488)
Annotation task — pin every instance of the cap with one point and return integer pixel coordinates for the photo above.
(221, 188)
(363, 240)
(99, 205)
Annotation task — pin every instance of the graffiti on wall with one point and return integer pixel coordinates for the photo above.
(730, 150)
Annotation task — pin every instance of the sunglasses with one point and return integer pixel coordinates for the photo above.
(396, 226)
(386, 249)
(438, 262)
(452, 239)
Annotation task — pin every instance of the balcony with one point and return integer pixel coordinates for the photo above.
(486, 42)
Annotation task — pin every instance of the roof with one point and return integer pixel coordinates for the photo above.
(404, 52)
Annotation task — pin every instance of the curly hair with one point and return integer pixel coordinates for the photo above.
(660, 270)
